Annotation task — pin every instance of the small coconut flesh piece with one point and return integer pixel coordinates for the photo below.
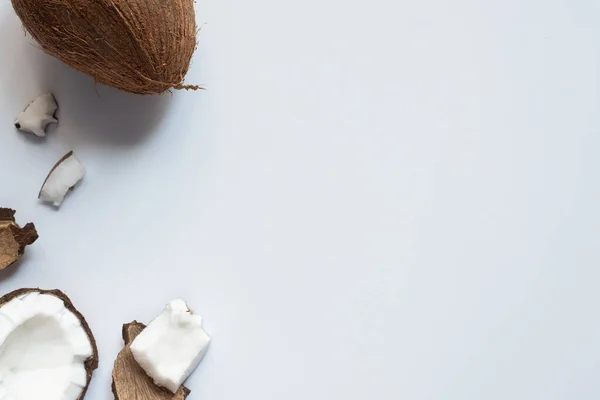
(130, 382)
(172, 346)
(47, 351)
(13, 238)
(65, 174)
(38, 115)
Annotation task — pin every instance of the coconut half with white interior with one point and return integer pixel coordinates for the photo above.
(47, 350)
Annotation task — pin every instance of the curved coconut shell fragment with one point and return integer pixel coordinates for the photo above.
(130, 382)
(13, 238)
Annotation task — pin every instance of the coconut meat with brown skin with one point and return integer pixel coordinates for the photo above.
(172, 346)
(65, 174)
(38, 115)
(130, 382)
(45, 348)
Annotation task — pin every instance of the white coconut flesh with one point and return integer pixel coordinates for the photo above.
(61, 179)
(38, 115)
(43, 349)
(172, 346)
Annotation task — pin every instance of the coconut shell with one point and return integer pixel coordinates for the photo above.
(139, 46)
(130, 382)
(13, 238)
(91, 363)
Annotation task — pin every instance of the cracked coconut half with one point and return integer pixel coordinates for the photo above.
(47, 350)
(130, 382)
(13, 238)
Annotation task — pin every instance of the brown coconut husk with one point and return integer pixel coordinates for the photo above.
(130, 382)
(139, 46)
(13, 238)
(91, 364)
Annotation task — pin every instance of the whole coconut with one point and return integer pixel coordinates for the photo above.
(139, 46)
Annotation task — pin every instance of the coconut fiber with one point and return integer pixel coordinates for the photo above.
(139, 46)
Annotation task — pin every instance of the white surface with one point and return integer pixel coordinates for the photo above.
(171, 346)
(383, 199)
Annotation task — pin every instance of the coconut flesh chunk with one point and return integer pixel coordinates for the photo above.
(130, 381)
(38, 115)
(47, 351)
(172, 346)
(65, 174)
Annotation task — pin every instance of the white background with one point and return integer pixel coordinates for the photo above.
(372, 200)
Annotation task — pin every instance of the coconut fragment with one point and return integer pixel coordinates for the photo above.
(38, 115)
(47, 350)
(172, 346)
(130, 382)
(63, 177)
(13, 238)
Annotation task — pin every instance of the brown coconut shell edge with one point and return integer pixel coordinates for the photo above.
(22, 236)
(7, 214)
(91, 363)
